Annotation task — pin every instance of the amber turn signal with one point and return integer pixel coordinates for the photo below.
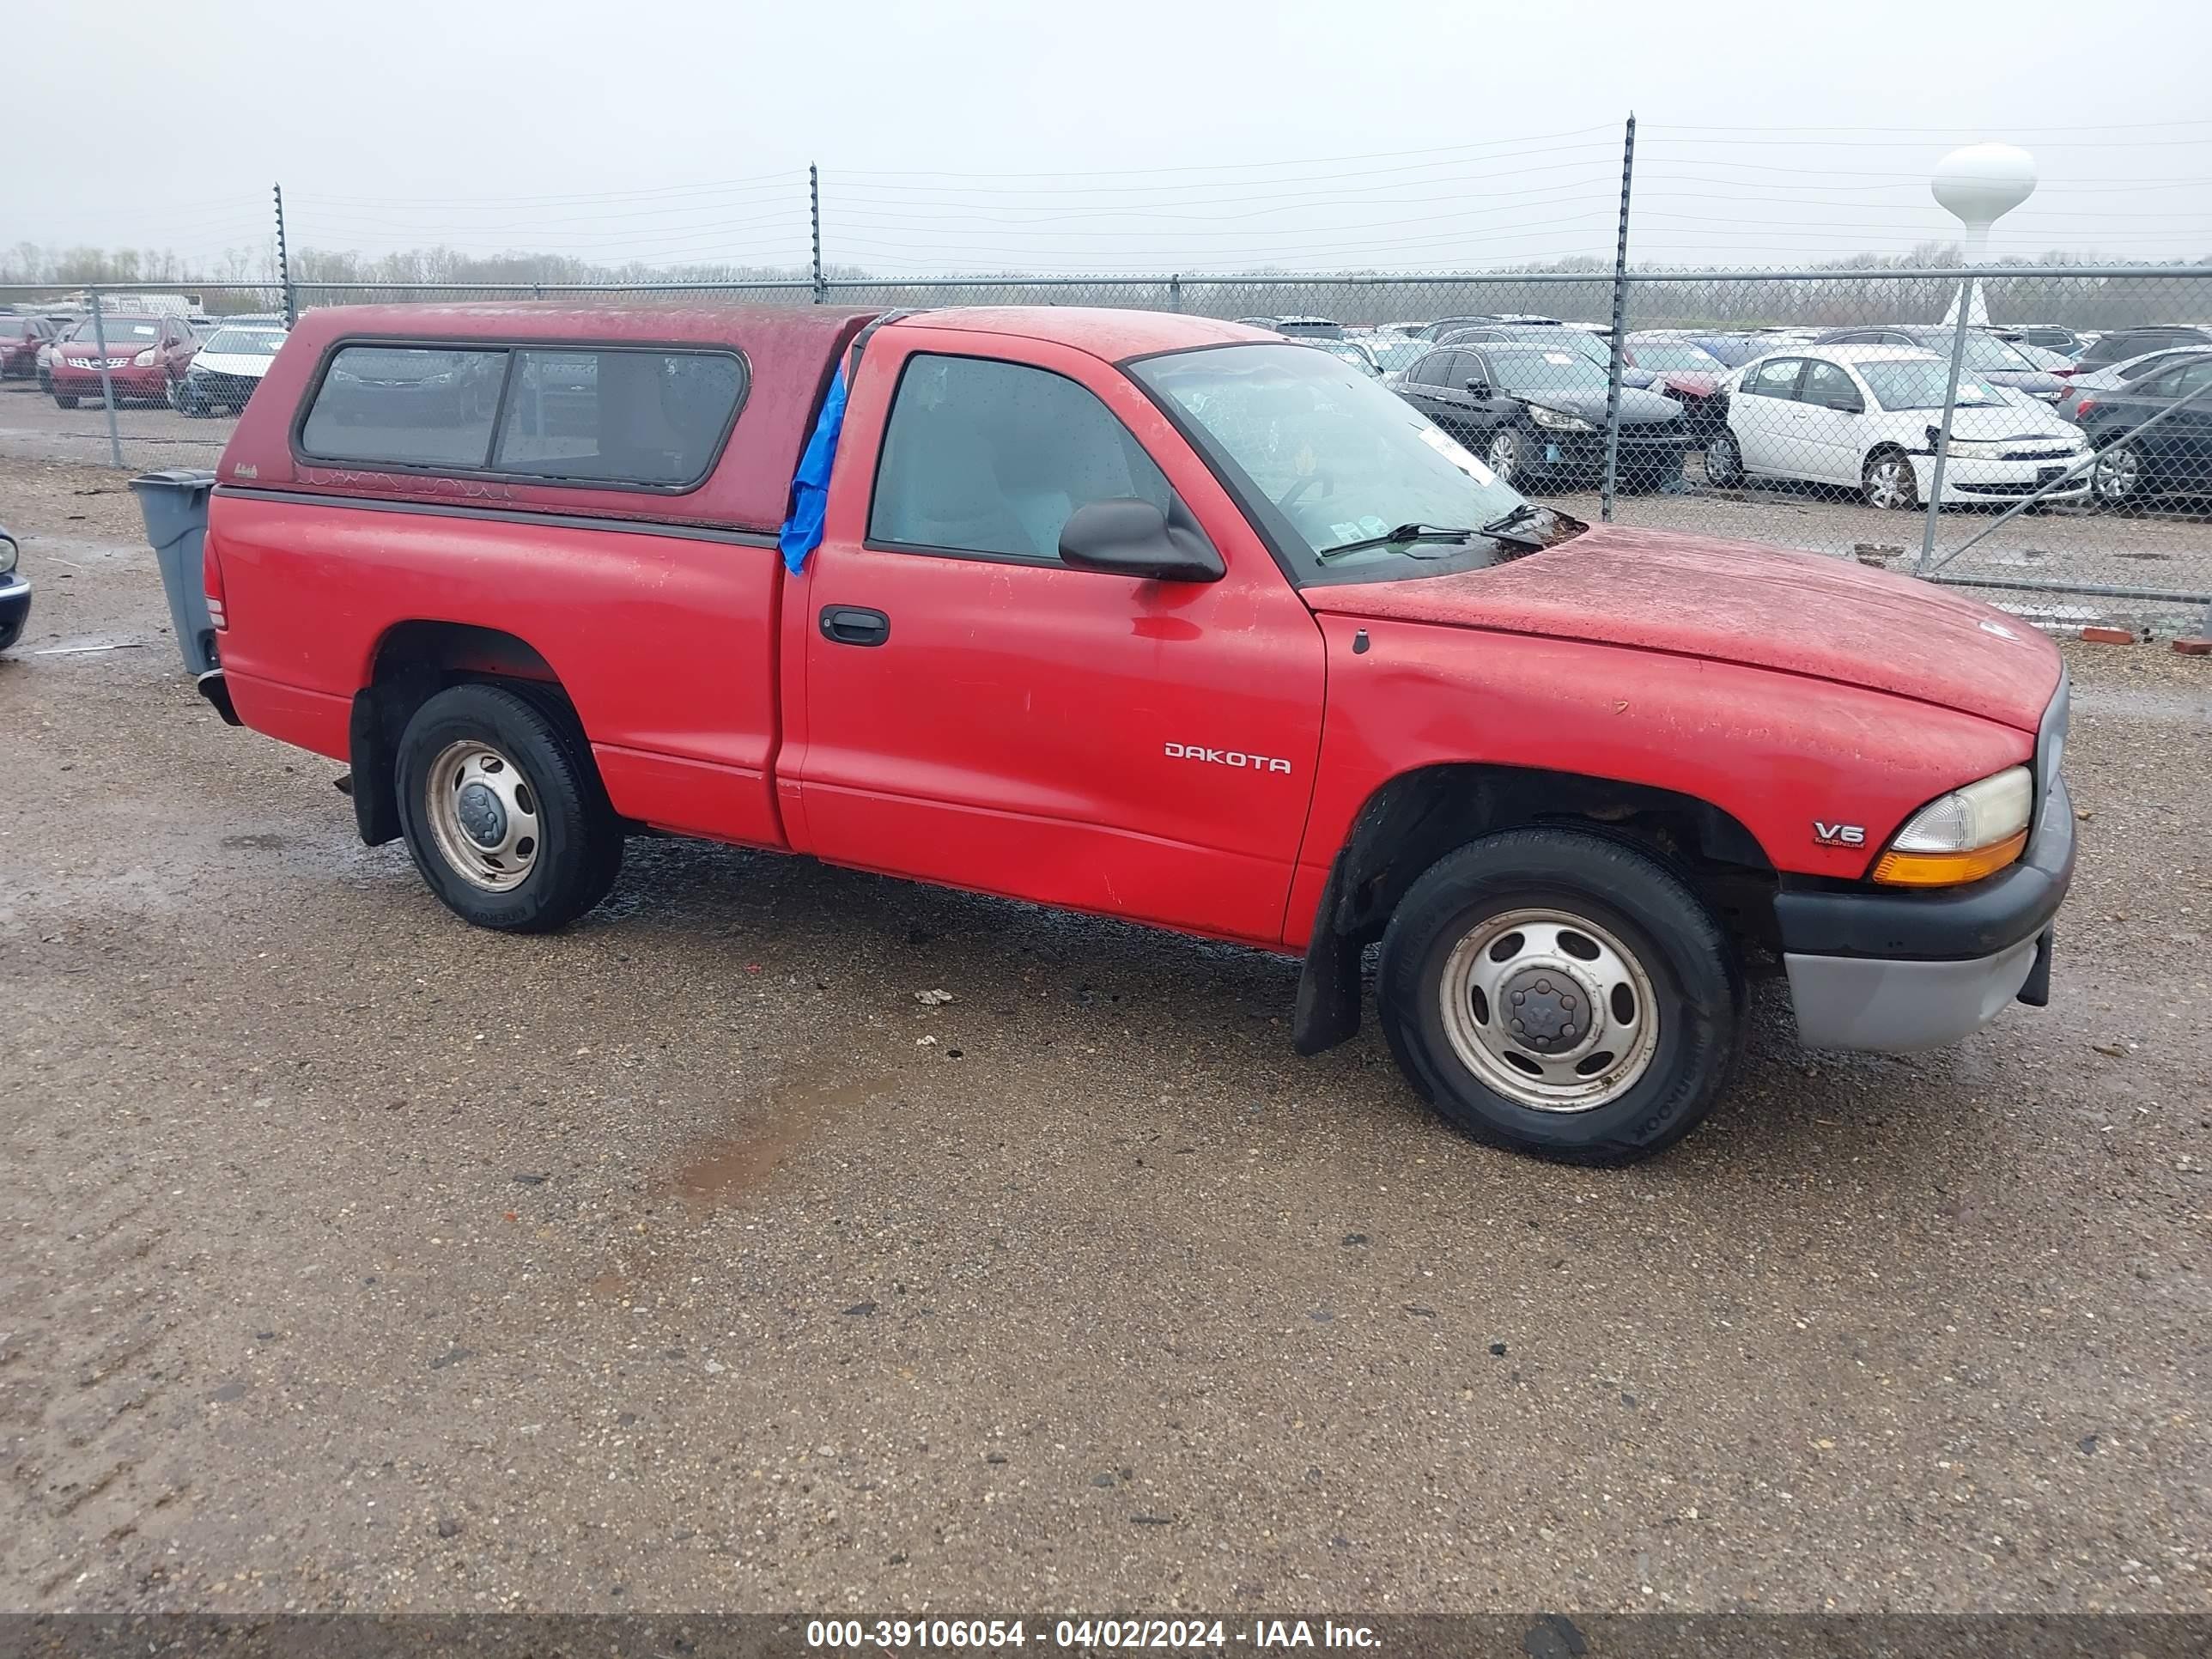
(1947, 869)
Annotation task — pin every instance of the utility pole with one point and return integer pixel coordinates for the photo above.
(1619, 323)
(814, 213)
(284, 264)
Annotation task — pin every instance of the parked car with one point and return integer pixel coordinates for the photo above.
(1866, 417)
(1394, 357)
(1436, 332)
(1354, 352)
(2117, 345)
(229, 367)
(1732, 350)
(146, 351)
(15, 593)
(1686, 372)
(2173, 458)
(1987, 357)
(1204, 601)
(20, 336)
(1323, 328)
(2047, 336)
(1575, 340)
(2115, 375)
(1536, 414)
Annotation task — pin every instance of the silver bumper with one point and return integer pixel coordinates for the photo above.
(1894, 1008)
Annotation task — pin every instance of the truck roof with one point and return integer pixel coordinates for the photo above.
(790, 351)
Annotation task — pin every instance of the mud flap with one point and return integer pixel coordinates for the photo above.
(2035, 990)
(1327, 1010)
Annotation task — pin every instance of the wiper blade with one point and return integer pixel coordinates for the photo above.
(1405, 535)
(1520, 514)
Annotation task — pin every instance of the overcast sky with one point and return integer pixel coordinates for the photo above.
(1121, 135)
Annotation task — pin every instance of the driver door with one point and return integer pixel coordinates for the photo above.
(971, 710)
(1763, 415)
(1831, 416)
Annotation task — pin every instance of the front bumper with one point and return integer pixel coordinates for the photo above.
(1890, 970)
(208, 388)
(15, 608)
(2003, 481)
(1582, 454)
(131, 382)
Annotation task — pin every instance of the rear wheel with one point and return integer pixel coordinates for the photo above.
(2116, 475)
(503, 810)
(1561, 993)
(1889, 481)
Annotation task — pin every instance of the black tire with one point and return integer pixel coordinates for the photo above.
(65, 400)
(1696, 989)
(2115, 477)
(1723, 460)
(1507, 454)
(581, 849)
(1889, 483)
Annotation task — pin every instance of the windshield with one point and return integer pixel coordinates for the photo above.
(245, 343)
(1918, 382)
(1400, 354)
(1674, 354)
(113, 329)
(1538, 370)
(1322, 455)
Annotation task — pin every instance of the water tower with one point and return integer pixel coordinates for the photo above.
(1979, 184)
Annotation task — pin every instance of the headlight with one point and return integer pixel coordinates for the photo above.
(7, 555)
(145, 358)
(1964, 836)
(1557, 422)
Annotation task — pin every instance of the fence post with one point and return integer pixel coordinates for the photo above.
(1174, 292)
(106, 379)
(814, 216)
(1619, 323)
(284, 265)
(1943, 433)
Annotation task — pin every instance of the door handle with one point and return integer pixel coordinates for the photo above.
(854, 624)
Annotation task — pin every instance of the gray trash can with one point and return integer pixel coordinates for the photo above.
(175, 506)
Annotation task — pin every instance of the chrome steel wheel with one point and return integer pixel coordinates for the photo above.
(1504, 454)
(1723, 466)
(1549, 1010)
(483, 814)
(1890, 483)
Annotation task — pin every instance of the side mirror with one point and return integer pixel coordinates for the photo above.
(1124, 537)
(1478, 385)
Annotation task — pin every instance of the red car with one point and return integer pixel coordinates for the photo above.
(20, 336)
(144, 355)
(1685, 371)
(1152, 616)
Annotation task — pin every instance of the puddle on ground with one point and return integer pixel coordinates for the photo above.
(728, 1168)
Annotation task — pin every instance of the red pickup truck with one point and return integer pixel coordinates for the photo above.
(1149, 615)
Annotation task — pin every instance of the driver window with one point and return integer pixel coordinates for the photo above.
(990, 459)
(1775, 380)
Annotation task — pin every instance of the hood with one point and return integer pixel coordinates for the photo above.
(1637, 408)
(1740, 602)
(246, 365)
(1985, 421)
(1695, 382)
(2036, 382)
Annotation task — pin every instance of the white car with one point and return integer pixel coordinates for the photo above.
(227, 368)
(1866, 416)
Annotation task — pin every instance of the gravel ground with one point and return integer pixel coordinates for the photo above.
(353, 1259)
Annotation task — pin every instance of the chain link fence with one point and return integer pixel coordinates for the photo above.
(2055, 452)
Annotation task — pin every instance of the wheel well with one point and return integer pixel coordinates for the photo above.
(1417, 817)
(413, 662)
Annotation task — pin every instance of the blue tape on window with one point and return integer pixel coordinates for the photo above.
(810, 486)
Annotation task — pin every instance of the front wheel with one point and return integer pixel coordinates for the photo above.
(1888, 481)
(1723, 460)
(1508, 454)
(1561, 993)
(503, 810)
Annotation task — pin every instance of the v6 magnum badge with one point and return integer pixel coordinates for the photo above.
(1838, 834)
